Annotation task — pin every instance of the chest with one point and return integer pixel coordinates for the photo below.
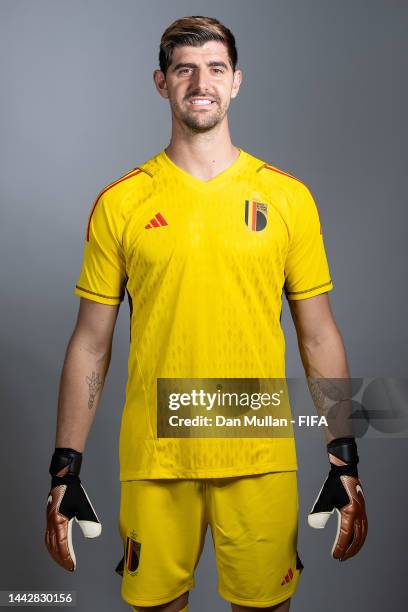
(241, 224)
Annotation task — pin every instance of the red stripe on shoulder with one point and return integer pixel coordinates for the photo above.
(269, 167)
(124, 178)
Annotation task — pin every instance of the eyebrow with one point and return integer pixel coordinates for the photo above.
(212, 64)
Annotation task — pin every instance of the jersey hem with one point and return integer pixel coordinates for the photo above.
(206, 473)
(97, 297)
(302, 295)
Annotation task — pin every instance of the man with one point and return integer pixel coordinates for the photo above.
(204, 237)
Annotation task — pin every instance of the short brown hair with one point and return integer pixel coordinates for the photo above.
(194, 31)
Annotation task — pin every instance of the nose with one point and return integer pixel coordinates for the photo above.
(201, 79)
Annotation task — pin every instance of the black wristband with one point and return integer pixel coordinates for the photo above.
(344, 449)
(66, 457)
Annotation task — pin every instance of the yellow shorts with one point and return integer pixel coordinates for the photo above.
(254, 526)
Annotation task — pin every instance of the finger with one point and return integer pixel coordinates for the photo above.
(90, 529)
(318, 520)
(351, 531)
(322, 503)
(356, 542)
(322, 508)
(86, 511)
(86, 516)
(344, 535)
(58, 535)
(360, 534)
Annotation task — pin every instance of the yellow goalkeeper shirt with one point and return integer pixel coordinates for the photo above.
(204, 265)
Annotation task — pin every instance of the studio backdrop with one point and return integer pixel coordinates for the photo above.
(324, 97)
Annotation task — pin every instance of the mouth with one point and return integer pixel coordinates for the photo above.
(201, 102)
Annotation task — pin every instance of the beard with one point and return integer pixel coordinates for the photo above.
(201, 122)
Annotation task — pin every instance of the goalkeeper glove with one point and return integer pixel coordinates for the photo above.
(342, 491)
(67, 500)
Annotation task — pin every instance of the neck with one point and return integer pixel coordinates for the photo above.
(203, 155)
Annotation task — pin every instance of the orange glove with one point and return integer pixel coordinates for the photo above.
(67, 500)
(342, 491)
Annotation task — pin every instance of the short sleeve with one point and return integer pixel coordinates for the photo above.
(306, 267)
(103, 274)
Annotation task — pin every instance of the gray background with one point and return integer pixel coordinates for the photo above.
(324, 97)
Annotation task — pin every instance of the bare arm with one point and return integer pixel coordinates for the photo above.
(323, 356)
(85, 367)
(324, 359)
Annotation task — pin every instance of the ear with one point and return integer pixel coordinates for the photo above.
(236, 83)
(160, 82)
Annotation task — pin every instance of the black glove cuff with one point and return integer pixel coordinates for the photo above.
(344, 449)
(64, 457)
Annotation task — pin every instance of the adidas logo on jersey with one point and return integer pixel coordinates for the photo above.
(157, 221)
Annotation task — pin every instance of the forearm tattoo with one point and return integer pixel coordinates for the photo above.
(94, 384)
(332, 399)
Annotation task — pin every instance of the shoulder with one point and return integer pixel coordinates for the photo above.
(139, 178)
(134, 182)
(271, 175)
(111, 199)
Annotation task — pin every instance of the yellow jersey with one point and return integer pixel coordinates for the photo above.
(204, 265)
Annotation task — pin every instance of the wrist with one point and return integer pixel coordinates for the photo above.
(343, 456)
(65, 465)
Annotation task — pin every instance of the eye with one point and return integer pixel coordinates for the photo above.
(218, 70)
(184, 70)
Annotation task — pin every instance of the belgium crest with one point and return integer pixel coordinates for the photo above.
(256, 215)
(132, 553)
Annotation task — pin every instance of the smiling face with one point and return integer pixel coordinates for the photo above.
(199, 85)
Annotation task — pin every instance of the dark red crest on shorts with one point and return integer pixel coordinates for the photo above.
(132, 554)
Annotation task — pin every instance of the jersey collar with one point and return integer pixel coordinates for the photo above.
(217, 180)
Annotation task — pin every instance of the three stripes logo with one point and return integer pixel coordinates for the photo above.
(157, 221)
(288, 577)
(132, 554)
(256, 215)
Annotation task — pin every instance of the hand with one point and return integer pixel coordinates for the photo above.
(342, 491)
(67, 500)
